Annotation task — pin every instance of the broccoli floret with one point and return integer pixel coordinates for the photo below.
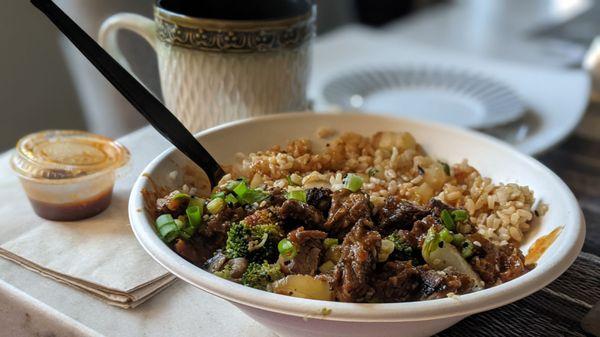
(260, 275)
(272, 230)
(256, 243)
(269, 236)
(403, 250)
(237, 241)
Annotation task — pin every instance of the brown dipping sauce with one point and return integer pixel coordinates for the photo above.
(74, 210)
(540, 246)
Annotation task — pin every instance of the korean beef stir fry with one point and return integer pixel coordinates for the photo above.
(334, 245)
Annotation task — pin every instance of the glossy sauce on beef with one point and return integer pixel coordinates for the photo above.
(355, 269)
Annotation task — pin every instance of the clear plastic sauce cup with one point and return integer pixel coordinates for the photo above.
(68, 175)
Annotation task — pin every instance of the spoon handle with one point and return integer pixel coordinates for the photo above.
(145, 102)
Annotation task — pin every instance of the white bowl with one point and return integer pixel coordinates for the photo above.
(289, 316)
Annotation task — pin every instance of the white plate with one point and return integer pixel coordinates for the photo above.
(289, 316)
(447, 95)
(555, 98)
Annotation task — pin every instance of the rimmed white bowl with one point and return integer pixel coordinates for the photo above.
(289, 316)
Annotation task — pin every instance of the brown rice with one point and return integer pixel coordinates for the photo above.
(394, 164)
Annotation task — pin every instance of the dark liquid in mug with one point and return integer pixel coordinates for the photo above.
(72, 211)
(238, 9)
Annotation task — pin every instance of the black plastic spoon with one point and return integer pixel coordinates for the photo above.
(145, 102)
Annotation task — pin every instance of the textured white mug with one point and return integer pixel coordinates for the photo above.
(218, 70)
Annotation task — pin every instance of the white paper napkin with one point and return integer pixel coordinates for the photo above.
(99, 255)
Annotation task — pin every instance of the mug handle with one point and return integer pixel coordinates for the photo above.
(141, 25)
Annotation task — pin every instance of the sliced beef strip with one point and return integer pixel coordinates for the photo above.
(310, 248)
(276, 197)
(496, 264)
(261, 217)
(350, 280)
(438, 284)
(214, 235)
(168, 204)
(294, 213)
(188, 252)
(408, 249)
(420, 228)
(513, 263)
(197, 250)
(407, 237)
(485, 260)
(219, 223)
(300, 235)
(346, 210)
(319, 198)
(436, 206)
(398, 214)
(396, 281)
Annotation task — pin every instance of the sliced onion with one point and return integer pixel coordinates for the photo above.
(304, 286)
(448, 256)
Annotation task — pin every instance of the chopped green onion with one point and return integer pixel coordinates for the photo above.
(215, 206)
(180, 223)
(387, 248)
(217, 195)
(353, 182)
(170, 229)
(240, 189)
(460, 215)
(430, 243)
(446, 236)
(231, 185)
(178, 201)
(467, 249)
(286, 249)
(181, 197)
(330, 242)
(253, 195)
(231, 199)
(298, 195)
(458, 240)
(372, 172)
(163, 220)
(195, 201)
(446, 168)
(194, 214)
(247, 196)
(167, 228)
(294, 179)
(169, 232)
(447, 220)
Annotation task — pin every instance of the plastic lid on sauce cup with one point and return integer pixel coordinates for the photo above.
(66, 154)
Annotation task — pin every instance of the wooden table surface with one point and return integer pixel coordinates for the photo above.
(577, 162)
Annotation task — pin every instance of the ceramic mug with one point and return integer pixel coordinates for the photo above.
(224, 60)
